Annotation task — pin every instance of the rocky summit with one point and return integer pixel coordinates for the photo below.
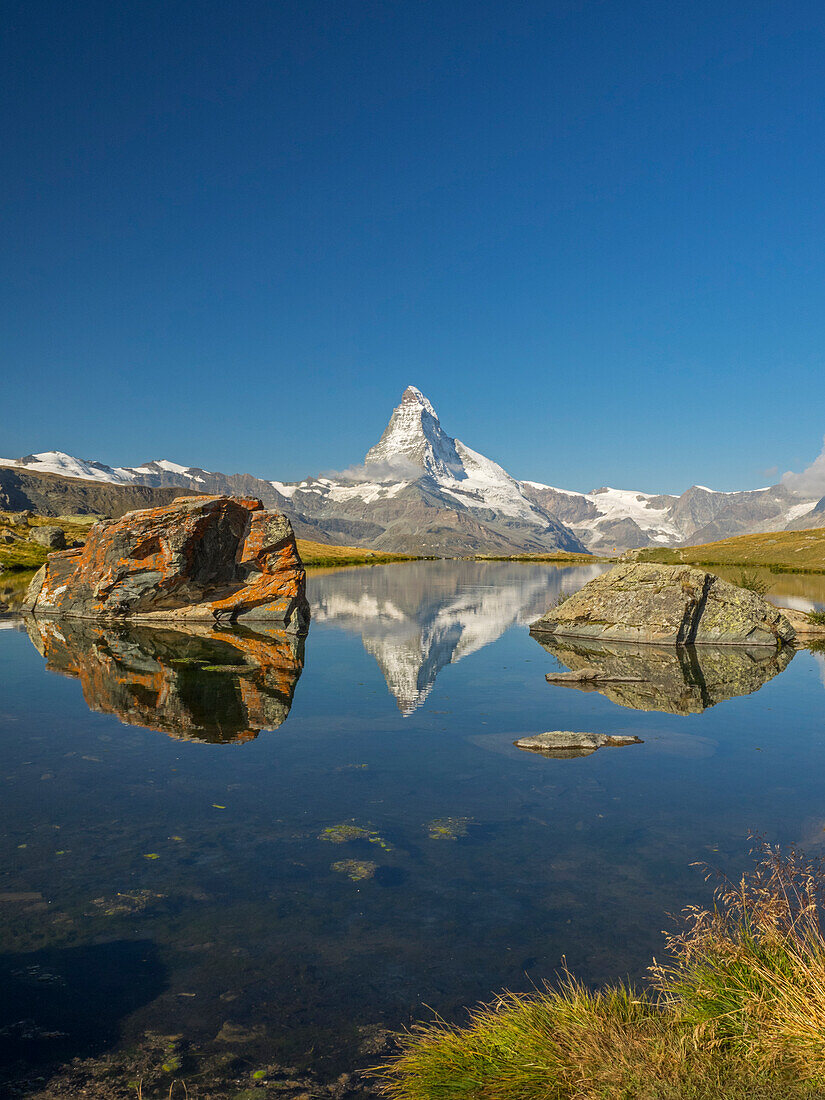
(666, 605)
(215, 559)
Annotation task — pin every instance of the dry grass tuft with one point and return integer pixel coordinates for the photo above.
(738, 1012)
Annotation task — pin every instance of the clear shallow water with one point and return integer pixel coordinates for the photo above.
(184, 880)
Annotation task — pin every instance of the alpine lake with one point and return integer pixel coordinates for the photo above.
(241, 861)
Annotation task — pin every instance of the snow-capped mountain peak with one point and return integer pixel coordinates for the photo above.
(414, 435)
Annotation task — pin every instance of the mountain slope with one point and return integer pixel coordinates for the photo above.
(54, 495)
(423, 491)
(613, 520)
(419, 491)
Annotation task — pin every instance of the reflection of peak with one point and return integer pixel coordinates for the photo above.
(415, 619)
(411, 666)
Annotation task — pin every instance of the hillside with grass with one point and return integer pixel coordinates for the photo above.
(17, 549)
(784, 551)
(319, 554)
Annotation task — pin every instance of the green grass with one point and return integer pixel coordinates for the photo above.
(737, 1013)
(25, 555)
(779, 551)
(320, 554)
(22, 556)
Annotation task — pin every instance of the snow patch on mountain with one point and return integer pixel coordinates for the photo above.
(799, 510)
(57, 462)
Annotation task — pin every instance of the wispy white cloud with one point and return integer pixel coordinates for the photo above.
(399, 469)
(811, 482)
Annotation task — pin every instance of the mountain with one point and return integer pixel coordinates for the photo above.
(608, 520)
(53, 495)
(420, 491)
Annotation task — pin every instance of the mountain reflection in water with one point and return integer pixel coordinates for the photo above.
(675, 679)
(414, 619)
(194, 685)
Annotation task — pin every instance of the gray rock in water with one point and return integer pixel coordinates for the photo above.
(591, 675)
(567, 744)
(802, 624)
(52, 537)
(666, 605)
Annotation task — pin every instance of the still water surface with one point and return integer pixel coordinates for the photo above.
(171, 852)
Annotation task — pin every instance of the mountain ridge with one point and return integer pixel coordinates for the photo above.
(419, 490)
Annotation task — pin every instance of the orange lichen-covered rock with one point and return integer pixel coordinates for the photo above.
(217, 559)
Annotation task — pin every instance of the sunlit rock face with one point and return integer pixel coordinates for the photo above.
(416, 619)
(192, 684)
(674, 679)
(217, 559)
(666, 605)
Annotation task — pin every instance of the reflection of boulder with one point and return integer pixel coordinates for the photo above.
(666, 605)
(209, 559)
(676, 679)
(195, 685)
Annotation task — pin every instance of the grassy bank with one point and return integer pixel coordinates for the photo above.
(22, 554)
(562, 557)
(738, 1012)
(317, 554)
(779, 551)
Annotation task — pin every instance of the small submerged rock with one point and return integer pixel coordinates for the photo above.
(566, 743)
(349, 830)
(448, 828)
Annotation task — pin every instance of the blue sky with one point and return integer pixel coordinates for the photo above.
(593, 233)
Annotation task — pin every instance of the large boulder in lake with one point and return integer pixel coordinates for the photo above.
(666, 605)
(215, 559)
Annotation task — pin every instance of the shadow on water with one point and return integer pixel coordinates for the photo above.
(673, 679)
(64, 1003)
(215, 686)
